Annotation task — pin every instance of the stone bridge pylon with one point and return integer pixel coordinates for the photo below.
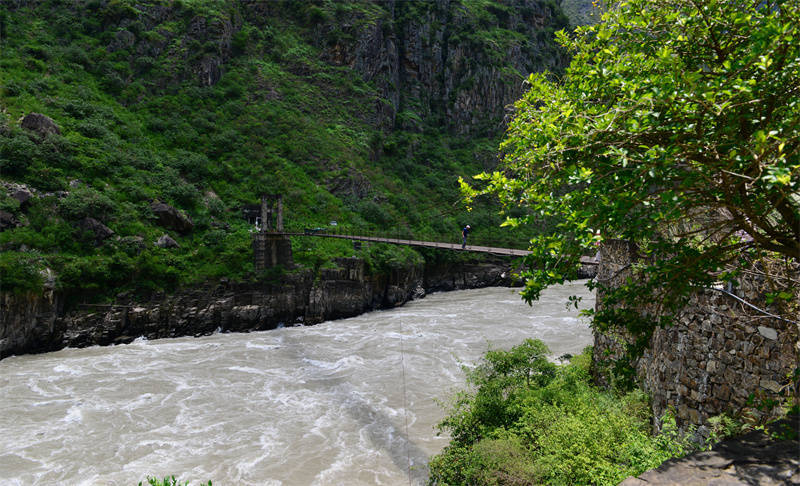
(270, 246)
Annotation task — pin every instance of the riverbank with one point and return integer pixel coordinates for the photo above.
(34, 323)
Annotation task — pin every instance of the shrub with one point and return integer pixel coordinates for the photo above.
(86, 202)
(38, 52)
(16, 153)
(192, 165)
(19, 272)
(77, 55)
(374, 213)
(92, 129)
(528, 421)
(79, 109)
(13, 88)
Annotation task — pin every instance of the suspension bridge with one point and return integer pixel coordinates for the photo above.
(427, 244)
(272, 245)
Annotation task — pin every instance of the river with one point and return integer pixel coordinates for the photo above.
(347, 402)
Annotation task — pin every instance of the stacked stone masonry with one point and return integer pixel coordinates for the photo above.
(719, 356)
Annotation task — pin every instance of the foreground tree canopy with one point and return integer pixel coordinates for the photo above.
(677, 126)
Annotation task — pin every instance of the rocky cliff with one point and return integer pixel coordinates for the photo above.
(447, 63)
(32, 323)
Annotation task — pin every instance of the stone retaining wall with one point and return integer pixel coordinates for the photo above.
(718, 356)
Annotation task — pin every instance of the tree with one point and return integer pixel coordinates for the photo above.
(677, 127)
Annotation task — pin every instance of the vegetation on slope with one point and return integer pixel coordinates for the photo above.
(205, 106)
(525, 420)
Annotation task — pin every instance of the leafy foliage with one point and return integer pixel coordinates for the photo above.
(676, 127)
(19, 273)
(528, 421)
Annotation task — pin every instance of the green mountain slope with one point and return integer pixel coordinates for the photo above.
(365, 113)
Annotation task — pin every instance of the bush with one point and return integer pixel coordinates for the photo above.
(92, 129)
(375, 213)
(13, 88)
(19, 272)
(16, 153)
(77, 55)
(85, 202)
(531, 422)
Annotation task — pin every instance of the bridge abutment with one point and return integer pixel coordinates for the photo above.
(271, 250)
(270, 247)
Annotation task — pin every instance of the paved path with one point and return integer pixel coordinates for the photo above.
(749, 460)
(433, 244)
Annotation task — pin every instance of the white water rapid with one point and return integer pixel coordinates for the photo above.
(332, 404)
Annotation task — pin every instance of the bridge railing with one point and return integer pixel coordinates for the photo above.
(479, 239)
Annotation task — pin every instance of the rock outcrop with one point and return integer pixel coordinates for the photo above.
(39, 124)
(166, 241)
(171, 218)
(7, 220)
(23, 196)
(30, 324)
(29, 321)
(429, 62)
(98, 230)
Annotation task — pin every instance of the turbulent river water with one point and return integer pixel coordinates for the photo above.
(348, 402)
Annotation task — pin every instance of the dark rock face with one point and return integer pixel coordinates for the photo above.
(40, 124)
(38, 324)
(100, 231)
(171, 218)
(466, 276)
(428, 62)
(7, 220)
(28, 322)
(23, 196)
(754, 458)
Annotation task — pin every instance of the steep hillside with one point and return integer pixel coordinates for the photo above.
(583, 12)
(169, 116)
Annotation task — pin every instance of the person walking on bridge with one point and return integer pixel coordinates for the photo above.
(464, 234)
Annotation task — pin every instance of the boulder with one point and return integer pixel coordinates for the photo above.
(133, 245)
(171, 218)
(23, 196)
(40, 124)
(100, 231)
(167, 242)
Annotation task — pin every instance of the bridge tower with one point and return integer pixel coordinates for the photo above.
(270, 246)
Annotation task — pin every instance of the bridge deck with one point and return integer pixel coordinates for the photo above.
(433, 244)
